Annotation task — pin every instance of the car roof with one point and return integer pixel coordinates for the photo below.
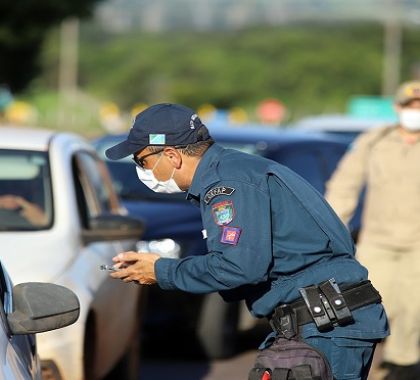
(25, 138)
(38, 139)
(270, 135)
(339, 123)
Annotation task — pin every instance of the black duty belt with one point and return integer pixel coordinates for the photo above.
(325, 304)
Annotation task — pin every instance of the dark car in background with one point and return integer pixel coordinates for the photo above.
(173, 225)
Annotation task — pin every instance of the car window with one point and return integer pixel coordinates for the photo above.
(3, 292)
(6, 291)
(126, 181)
(6, 287)
(3, 287)
(313, 161)
(25, 190)
(94, 188)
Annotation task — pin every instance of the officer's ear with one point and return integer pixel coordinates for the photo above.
(174, 156)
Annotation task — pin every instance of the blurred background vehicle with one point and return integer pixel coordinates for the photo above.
(173, 225)
(25, 310)
(60, 219)
(340, 124)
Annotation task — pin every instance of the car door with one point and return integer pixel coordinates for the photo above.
(114, 303)
(17, 352)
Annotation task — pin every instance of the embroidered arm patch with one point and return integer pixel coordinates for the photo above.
(223, 212)
(230, 235)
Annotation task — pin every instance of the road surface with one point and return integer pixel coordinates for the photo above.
(177, 357)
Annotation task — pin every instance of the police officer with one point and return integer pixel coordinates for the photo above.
(387, 160)
(269, 233)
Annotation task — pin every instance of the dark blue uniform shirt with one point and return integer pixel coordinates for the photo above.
(269, 233)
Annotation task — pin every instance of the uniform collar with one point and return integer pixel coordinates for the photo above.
(202, 177)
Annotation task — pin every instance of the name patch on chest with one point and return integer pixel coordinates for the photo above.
(230, 235)
(215, 191)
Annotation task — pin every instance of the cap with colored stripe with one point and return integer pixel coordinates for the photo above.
(162, 124)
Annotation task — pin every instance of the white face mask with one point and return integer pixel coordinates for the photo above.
(148, 178)
(410, 119)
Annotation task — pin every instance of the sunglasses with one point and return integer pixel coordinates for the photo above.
(140, 160)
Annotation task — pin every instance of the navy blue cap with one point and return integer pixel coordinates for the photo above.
(163, 124)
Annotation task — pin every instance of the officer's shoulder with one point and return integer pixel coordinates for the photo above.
(232, 159)
(239, 166)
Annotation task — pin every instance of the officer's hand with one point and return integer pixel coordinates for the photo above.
(135, 266)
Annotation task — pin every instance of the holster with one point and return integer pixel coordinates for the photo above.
(284, 321)
(326, 305)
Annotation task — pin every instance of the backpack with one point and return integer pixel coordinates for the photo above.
(290, 359)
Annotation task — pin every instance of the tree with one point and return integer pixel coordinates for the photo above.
(23, 26)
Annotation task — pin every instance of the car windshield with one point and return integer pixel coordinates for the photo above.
(25, 190)
(128, 185)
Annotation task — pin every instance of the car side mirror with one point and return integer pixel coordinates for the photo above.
(40, 307)
(108, 227)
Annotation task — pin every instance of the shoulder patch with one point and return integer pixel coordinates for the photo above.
(230, 235)
(215, 191)
(223, 212)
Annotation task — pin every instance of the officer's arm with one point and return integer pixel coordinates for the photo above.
(239, 243)
(344, 187)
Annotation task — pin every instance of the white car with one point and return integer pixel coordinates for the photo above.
(60, 220)
(25, 310)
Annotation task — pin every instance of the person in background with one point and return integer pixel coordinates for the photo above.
(386, 161)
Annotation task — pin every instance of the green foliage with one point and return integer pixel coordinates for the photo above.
(311, 68)
(78, 113)
(23, 25)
